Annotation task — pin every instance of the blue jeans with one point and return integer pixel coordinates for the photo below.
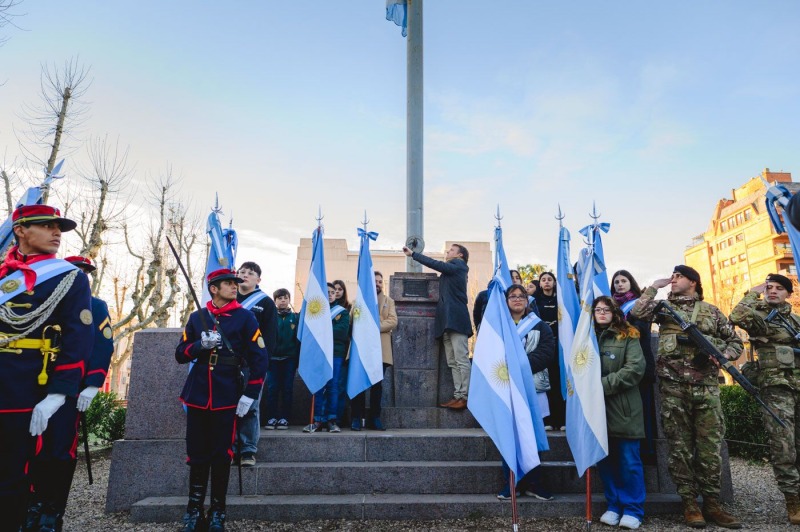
(623, 477)
(280, 384)
(326, 400)
(249, 429)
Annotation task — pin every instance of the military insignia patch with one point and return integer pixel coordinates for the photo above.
(292, 326)
(107, 333)
(9, 286)
(260, 342)
(337, 318)
(86, 316)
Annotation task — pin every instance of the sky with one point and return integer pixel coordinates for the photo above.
(651, 112)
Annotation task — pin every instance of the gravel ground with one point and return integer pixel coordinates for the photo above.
(758, 504)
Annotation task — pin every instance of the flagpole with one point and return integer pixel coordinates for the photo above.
(514, 514)
(589, 499)
(414, 134)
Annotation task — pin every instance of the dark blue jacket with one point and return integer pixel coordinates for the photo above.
(451, 311)
(288, 346)
(19, 387)
(266, 316)
(100, 357)
(218, 387)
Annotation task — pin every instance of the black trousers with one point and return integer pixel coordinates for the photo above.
(358, 403)
(210, 435)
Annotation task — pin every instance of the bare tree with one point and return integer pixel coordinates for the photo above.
(7, 16)
(58, 115)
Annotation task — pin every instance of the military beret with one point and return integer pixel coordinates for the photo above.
(691, 274)
(781, 280)
(40, 214)
(223, 275)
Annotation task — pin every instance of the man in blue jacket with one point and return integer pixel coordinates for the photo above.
(452, 323)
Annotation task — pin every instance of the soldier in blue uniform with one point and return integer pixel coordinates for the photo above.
(214, 393)
(60, 440)
(45, 334)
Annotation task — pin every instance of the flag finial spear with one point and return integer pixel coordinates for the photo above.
(216, 208)
(595, 216)
(365, 222)
(560, 217)
(497, 215)
(319, 216)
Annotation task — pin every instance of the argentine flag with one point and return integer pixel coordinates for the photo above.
(587, 434)
(315, 330)
(592, 234)
(222, 249)
(32, 196)
(366, 357)
(502, 395)
(782, 195)
(501, 270)
(397, 12)
(568, 305)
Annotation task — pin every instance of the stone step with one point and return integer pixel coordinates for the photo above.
(293, 445)
(467, 477)
(392, 507)
(427, 417)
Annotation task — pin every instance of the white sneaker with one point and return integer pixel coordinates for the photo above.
(548, 427)
(629, 522)
(610, 518)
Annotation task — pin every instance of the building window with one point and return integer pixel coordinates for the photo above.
(723, 245)
(724, 226)
(740, 237)
(739, 218)
(730, 241)
(725, 264)
(735, 278)
(733, 260)
(747, 215)
(730, 222)
(746, 277)
(742, 257)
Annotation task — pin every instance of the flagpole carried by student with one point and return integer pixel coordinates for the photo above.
(315, 330)
(366, 356)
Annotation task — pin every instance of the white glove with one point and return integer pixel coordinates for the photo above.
(210, 339)
(44, 410)
(86, 396)
(244, 405)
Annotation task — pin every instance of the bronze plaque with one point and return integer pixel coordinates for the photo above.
(415, 288)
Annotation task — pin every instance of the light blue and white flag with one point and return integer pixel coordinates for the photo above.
(592, 234)
(223, 244)
(315, 330)
(32, 196)
(502, 394)
(397, 12)
(587, 434)
(366, 355)
(568, 305)
(780, 194)
(501, 270)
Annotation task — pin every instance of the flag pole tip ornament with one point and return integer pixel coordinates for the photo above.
(41, 214)
(223, 275)
(84, 263)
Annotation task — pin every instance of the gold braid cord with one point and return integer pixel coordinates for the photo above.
(40, 315)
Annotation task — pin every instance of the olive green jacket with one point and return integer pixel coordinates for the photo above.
(622, 367)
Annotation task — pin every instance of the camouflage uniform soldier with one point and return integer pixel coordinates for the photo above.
(778, 377)
(691, 412)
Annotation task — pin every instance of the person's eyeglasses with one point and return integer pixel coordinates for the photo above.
(516, 298)
(602, 310)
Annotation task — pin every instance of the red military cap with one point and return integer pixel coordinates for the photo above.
(39, 214)
(84, 263)
(223, 275)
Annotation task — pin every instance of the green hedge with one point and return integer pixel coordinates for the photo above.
(105, 418)
(744, 426)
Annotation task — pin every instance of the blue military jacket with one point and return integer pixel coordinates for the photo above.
(217, 387)
(103, 348)
(19, 370)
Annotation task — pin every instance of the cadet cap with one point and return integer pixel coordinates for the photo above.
(40, 214)
(781, 280)
(223, 275)
(84, 263)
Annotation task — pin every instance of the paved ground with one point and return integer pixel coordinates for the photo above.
(758, 503)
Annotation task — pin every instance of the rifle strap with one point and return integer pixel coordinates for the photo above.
(693, 319)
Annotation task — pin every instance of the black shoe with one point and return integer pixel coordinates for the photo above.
(194, 520)
(50, 522)
(375, 424)
(32, 517)
(216, 521)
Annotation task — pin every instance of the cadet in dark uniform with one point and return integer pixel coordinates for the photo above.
(214, 394)
(45, 335)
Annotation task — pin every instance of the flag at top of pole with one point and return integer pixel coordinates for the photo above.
(32, 196)
(592, 234)
(587, 433)
(397, 12)
(222, 249)
(502, 394)
(501, 271)
(780, 194)
(315, 330)
(366, 356)
(567, 301)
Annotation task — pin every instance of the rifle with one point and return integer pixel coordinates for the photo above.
(786, 324)
(225, 341)
(85, 431)
(708, 348)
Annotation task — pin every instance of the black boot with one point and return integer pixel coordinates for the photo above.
(220, 474)
(12, 510)
(53, 492)
(32, 516)
(194, 519)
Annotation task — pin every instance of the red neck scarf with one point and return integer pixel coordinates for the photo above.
(17, 261)
(216, 311)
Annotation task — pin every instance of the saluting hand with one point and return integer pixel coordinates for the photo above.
(661, 283)
(759, 288)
